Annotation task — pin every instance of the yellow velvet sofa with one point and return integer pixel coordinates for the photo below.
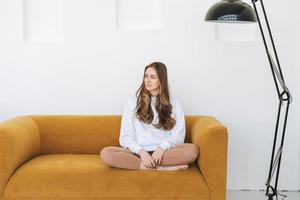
(56, 157)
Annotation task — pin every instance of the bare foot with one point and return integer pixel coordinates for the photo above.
(173, 167)
(143, 167)
(170, 168)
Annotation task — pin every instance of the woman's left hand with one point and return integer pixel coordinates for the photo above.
(157, 156)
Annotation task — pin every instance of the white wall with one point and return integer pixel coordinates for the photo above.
(94, 67)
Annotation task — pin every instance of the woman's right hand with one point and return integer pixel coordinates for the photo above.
(146, 159)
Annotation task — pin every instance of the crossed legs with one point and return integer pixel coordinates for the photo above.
(119, 157)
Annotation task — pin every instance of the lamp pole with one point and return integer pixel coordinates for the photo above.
(284, 96)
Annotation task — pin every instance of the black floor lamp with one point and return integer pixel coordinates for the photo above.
(236, 11)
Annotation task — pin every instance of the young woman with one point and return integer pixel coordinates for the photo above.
(152, 128)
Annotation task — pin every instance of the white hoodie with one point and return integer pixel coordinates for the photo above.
(136, 135)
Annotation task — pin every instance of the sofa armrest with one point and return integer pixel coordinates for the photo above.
(19, 141)
(211, 137)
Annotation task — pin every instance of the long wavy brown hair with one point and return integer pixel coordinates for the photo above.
(163, 106)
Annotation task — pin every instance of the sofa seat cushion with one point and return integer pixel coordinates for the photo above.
(85, 176)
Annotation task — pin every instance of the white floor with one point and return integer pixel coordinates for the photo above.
(260, 195)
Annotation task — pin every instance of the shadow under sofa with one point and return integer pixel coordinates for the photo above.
(56, 157)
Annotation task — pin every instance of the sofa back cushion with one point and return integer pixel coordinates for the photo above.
(84, 134)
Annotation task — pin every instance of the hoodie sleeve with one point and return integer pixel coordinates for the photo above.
(127, 137)
(177, 134)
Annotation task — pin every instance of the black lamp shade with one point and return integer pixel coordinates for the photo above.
(234, 11)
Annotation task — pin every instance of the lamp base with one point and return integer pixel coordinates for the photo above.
(273, 195)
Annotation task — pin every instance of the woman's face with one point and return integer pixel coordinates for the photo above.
(151, 81)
